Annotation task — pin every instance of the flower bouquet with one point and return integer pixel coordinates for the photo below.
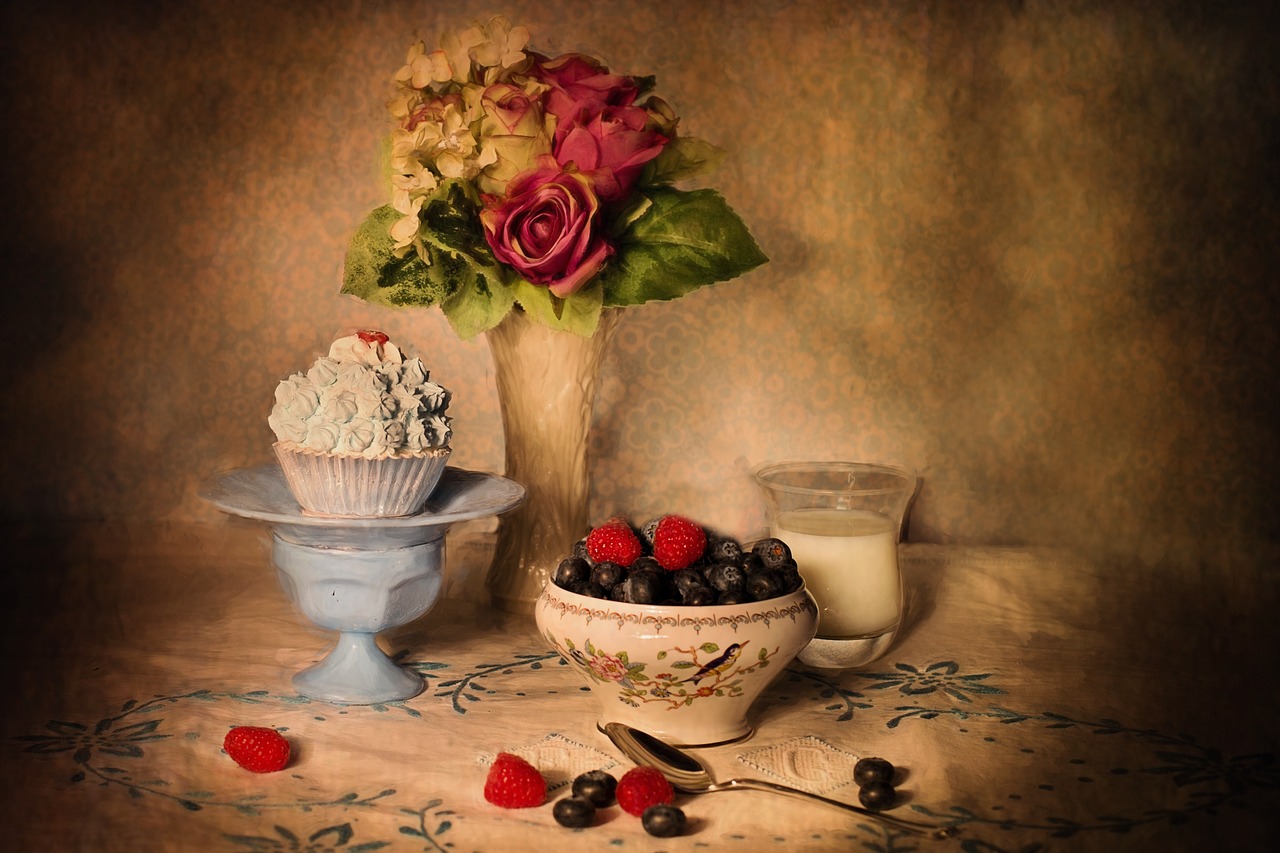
(523, 182)
(531, 199)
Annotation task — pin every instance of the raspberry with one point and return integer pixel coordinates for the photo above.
(615, 542)
(514, 783)
(641, 787)
(678, 542)
(258, 749)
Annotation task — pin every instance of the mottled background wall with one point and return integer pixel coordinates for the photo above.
(1027, 248)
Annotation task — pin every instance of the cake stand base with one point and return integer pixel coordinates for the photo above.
(357, 672)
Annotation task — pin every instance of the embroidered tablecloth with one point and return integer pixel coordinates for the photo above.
(1037, 702)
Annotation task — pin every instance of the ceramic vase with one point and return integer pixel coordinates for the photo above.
(546, 382)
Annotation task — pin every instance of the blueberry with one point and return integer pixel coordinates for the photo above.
(645, 588)
(647, 531)
(751, 562)
(723, 550)
(662, 820)
(648, 564)
(763, 584)
(869, 770)
(580, 550)
(574, 812)
(726, 577)
(570, 571)
(876, 795)
(590, 590)
(699, 596)
(772, 552)
(733, 598)
(789, 580)
(596, 786)
(608, 574)
(686, 579)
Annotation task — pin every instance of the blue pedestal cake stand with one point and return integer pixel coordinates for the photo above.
(359, 576)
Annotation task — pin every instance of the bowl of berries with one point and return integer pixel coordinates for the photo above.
(676, 629)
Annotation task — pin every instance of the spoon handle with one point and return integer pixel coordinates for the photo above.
(931, 830)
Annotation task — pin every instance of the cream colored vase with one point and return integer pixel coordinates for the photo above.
(546, 385)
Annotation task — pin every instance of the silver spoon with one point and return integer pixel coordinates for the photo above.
(688, 774)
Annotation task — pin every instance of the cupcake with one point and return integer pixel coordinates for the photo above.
(362, 433)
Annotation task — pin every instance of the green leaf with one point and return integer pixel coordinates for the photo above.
(685, 157)
(374, 273)
(579, 313)
(684, 241)
(459, 273)
(453, 223)
(479, 305)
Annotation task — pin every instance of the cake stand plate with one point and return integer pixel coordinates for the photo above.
(359, 576)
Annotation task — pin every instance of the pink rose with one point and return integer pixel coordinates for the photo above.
(581, 88)
(611, 148)
(547, 227)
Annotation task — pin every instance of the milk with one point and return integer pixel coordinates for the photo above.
(849, 559)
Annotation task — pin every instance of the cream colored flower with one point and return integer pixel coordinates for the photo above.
(407, 188)
(405, 74)
(503, 46)
(421, 69)
(456, 50)
(405, 230)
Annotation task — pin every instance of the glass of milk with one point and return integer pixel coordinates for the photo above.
(842, 521)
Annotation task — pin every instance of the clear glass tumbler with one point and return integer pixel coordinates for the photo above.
(842, 521)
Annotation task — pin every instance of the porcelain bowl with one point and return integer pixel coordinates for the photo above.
(686, 674)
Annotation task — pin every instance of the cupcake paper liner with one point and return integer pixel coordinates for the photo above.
(355, 487)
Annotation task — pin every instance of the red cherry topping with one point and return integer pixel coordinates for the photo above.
(371, 336)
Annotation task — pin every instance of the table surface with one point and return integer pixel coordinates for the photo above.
(1040, 702)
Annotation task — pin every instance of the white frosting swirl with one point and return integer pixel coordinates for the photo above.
(363, 399)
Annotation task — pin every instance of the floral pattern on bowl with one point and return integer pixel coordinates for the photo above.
(687, 674)
(695, 672)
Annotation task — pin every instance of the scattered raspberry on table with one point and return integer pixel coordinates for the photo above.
(514, 783)
(257, 748)
(641, 787)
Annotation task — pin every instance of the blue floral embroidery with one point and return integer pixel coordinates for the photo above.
(468, 688)
(1236, 773)
(441, 818)
(331, 839)
(942, 675)
(838, 698)
(104, 738)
